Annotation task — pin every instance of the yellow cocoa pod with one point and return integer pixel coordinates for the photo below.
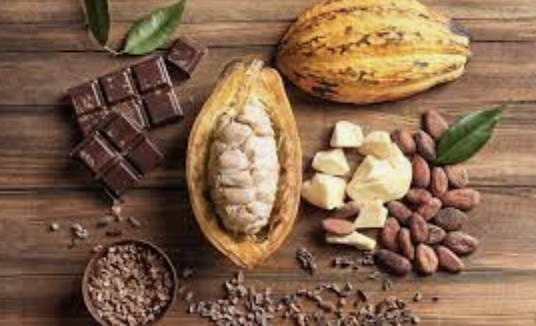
(245, 204)
(369, 51)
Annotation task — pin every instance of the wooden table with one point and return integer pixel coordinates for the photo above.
(44, 50)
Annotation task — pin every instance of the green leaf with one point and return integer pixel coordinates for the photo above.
(153, 30)
(467, 137)
(98, 19)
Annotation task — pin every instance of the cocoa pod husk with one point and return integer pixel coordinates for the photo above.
(434, 124)
(421, 172)
(426, 260)
(426, 146)
(461, 243)
(448, 260)
(389, 234)
(404, 140)
(464, 199)
(450, 219)
(391, 262)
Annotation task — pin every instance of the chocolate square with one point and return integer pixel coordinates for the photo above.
(117, 86)
(121, 131)
(186, 54)
(86, 97)
(151, 74)
(163, 106)
(132, 109)
(119, 178)
(145, 156)
(95, 152)
(89, 121)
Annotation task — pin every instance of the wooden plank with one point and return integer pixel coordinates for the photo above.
(74, 37)
(41, 275)
(32, 11)
(503, 223)
(38, 79)
(469, 300)
(45, 136)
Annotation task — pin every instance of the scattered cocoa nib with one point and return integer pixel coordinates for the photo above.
(105, 221)
(114, 233)
(53, 227)
(134, 222)
(79, 232)
(434, 124)
(364, 258)
(405, 141)
(426, 146)
(417, 297)
(130, 285)
(306, 260)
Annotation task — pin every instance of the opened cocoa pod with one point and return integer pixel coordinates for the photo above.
(244, 164)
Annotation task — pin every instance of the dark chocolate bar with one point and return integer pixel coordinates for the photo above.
(186, 54)
(118, 153)
(143, 93)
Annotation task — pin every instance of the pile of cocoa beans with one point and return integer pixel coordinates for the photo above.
(423, 232)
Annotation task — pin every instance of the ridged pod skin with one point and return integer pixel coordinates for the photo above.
(368, 51)
(241, 81)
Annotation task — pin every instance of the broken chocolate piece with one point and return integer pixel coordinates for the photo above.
(186, 54)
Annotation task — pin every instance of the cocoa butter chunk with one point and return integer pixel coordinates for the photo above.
(391, 262)
(325, 191)
(450, 219)
(448, 260)
(426, 259)
(356, 239)
(346, 135)
(331, 162)
(461, 243)
(244, 167)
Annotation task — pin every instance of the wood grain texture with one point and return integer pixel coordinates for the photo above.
(44, 49)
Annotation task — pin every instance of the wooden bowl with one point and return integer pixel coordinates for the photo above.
(267, 85)
(91, 265)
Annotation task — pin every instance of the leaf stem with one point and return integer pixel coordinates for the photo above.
(111, 51)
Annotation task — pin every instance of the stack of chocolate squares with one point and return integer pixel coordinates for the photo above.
(115, 112)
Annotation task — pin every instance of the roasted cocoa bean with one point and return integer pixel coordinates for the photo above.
(418, 196)
(391, 262)
(430, 209)
(337, 226)
(426, 146)
(426, 260)
(421, 172)
(435, 234)
(407, 249)
(461, 243)
(389, 233)
(348, 210)
(398, 210)
(439, 184)
(464, 199)
(450, 219)
(457, 175)
(418, 228)
(449, 261)
(434, 124)
(404, 140)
